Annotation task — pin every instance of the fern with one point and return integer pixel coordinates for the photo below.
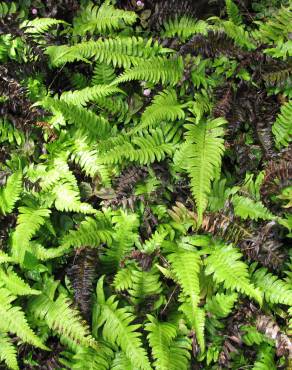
(40, 25)
(165, 107)
(155, 70)
(8, 352)
(273, 289)
(265, 359)
(247, 208)
(10, 193)
(233, 12)
(117, 329)
(120, 52)
(225, 266)
(15, 284)
(10, 133)
(102, 74)
(62, 318)
(184, 27)
(101, 19)
(14, 320)
(186, 267)
(169, 351)
(6, 9)
(282, 127)
(204, 148)
(220, 305)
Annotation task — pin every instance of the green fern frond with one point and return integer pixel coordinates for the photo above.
(164, 107)
(29, 221)
(40, 25)
(92, 359)
(8, 352)
(86, 120)
(273, 289)
(91, 233)
(4, 258)
(184, 27)
(122, 362)
(88, 94)
(102, 74)
(10, 193)
(120, 52)
(233, 12)
(220, 305)
(62, 318)
(13, 320)
(251, 336)
(103, 19)
(282, 127)
(265, 358)
(186, 268)
(201, 156)
(117, 329)
(247, 208)
(225, 266)
(15, 283)
(7, 8)
(155, 70)
(152, 146)
(168, 350)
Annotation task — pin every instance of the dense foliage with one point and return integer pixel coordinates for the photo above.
(145, 184)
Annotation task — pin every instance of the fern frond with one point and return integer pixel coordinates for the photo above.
(40, 25)
(273, 289)
(8, 352)
(91, 232)
(233, 12)
(103, 19)
(13, 320)
(7, 8)
(282, 127)
(164, 107)
(4, 258)
(29, 221)
(10, 193)
(9, 133)
(120, 52)
(184, 27)
(15, 284)
(117, 329)
(62, 318)
(86, 120)
(247, 208)
(169, 351)
(201, 156)
(225, 265)
(155, 70)
(102, 74)
(186, 267)
(122, 362)
(265, 358)
(220, 305)
(92, 359)
(82, 97)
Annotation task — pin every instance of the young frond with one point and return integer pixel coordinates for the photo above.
(265, 358)
(90, 233)
(14, 321)
(164, 107)
(62, 318)
(247, 208)
(282, 127)
(169, 351)
(28, 223)
(103, 19)
(273, 289)
(225, 266)
(7, 8)
(9, 133)
(201, 156)
(4, 258)
(87, 358)
(122, 362)
(120, 52)
(186, 268)
(184, 27)
(8, 352)
(10, 193)
(118, 329)
(155, 70)
(15, 284)
(102, 74)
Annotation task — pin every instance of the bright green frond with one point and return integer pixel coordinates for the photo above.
(10, 193)
(282, 127)
(8, 352)
(247, 208)
(15, 283)
(184, 27)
